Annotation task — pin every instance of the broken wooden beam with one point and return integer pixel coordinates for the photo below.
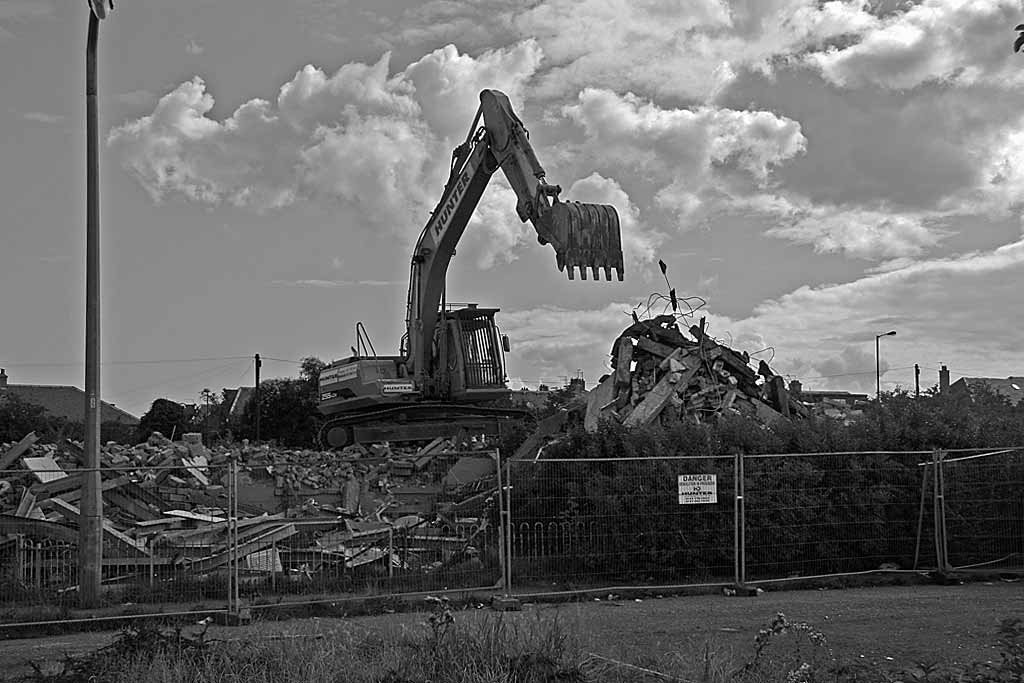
(17, 450)
(72, 513)
(243, 548)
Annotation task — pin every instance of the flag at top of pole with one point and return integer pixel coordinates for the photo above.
(101, 8)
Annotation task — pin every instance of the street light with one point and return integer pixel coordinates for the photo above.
(90, 527)
(878, 367)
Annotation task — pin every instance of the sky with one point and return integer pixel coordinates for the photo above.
(817, 172)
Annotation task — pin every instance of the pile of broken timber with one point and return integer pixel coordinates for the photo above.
(660, 372)
(166, 509)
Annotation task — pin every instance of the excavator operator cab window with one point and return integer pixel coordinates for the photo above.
(480, 349)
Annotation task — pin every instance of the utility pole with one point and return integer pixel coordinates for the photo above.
(90, 525)
(917, 381)
(259, 364)
(878, 365)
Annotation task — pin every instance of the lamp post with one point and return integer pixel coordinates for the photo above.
(90, 526)
(878, 366)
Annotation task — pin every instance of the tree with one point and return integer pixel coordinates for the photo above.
(19, 417)
(310, 370)
(164, 416)
(288, 413)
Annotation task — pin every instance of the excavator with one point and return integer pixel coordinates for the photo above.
(450, 368)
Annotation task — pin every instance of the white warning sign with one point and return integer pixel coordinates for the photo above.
(698, 488)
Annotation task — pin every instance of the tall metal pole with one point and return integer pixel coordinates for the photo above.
(878, 366)
(259, 364)
(917, 381)
(878, 373)
(90, 529)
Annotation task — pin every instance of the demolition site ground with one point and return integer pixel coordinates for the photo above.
(885, 628)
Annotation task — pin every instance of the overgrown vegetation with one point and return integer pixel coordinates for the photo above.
(509, 648)
(815, 514)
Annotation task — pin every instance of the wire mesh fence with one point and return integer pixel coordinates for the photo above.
(177, 538)
(614, 522)
(983, 499)
(818, 514)
(163, 537)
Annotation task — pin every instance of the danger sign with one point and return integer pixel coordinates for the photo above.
(698, 488)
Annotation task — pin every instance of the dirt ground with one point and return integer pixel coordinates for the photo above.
(901, 625)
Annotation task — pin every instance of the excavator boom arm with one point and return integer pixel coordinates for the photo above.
(582, 235)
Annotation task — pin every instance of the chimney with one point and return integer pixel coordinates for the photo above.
(3, 378)
(943, 380)
(795, 387)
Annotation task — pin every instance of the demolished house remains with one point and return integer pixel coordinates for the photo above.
(659, 371)
(300, 513)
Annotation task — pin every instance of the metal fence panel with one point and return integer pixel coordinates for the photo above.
(809, 515)
(984, 510)
(164, 540)
(615, 522)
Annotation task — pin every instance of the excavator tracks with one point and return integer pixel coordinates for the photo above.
(415, 422)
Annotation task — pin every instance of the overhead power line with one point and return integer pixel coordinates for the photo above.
(160, 361)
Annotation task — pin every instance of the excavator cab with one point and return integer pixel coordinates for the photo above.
(472, 355)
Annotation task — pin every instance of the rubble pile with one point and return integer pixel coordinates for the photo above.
(658, 370)
(299, 511)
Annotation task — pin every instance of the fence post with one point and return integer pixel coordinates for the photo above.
(939, 512)
(501, 524)
(739, 522)
(743, 520)
(942, 500)
(231, 544)
(508, 527)
(233, 479)
(920, 514)
(274, 559)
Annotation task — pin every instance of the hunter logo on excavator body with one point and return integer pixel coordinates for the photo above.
(448, 210)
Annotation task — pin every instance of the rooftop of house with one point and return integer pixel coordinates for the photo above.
(1011, 388)
(62, 400)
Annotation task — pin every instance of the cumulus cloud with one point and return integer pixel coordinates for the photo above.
(690, 155)
(675, 51)
(872, 234)
(851, 367)
(495, 232)
(945, 40)
(552, 341)
(938, 307)
(690, 141)
(373, 145)
(376, 145)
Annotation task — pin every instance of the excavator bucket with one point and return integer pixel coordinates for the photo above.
(587, 236)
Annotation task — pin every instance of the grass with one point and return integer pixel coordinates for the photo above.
(486, 647)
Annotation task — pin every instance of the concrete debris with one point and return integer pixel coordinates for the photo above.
(166, 506)
(659, 371)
